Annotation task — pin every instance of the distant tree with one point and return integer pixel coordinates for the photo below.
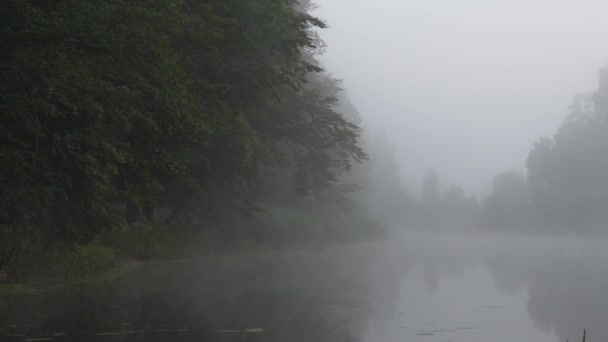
(389, 199)
(454, 194)
(459, 211)
(507, 207)
(430, 187)
(430, 207)
(568, 174)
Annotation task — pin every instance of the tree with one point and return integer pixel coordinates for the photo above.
(430, 188)
(507, 206)
(459, 211)
(568, 174)
(171, 111)
(431, 200)
(389, 198)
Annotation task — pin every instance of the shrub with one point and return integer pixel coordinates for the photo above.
(85, 260)
(21, 256)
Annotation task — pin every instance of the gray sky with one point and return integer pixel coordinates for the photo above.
(465, 86)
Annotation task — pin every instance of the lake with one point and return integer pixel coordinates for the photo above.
(417, 287)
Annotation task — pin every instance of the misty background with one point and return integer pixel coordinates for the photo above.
(285, 170)
(464, 87)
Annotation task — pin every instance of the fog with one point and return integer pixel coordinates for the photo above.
(430, 287)
(464, 87)
(292, 170)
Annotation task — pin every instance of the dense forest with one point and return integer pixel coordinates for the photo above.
(154, 128)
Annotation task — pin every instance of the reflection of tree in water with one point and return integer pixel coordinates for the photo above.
(388, 268)
(443, 257)
(566, 279)
(569, 294)
(509, 272)
(300, 296)
(431, 276)
(567, 284)
(335, 295)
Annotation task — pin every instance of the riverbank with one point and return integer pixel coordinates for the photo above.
(269, 295)
(35, 260)
(435, 288)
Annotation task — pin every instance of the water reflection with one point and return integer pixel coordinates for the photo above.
(429, 288)
(297, 296)
(535, 289)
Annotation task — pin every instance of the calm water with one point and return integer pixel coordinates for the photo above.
(417, 288)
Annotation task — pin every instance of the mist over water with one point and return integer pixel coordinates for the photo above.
(282, 170)
(470, 287)
(435, 287)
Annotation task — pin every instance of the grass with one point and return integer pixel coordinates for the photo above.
(17, 290)
(84, 261)
(111, 273)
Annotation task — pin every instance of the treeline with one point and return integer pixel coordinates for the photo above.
(190, 115)
(442, 208)
(566, 186)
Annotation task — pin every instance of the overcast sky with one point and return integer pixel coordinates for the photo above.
(465, 86)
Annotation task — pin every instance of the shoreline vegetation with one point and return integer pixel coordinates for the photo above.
(149, 130)
(114, 254)
(138, 130)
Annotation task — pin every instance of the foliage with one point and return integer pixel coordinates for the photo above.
(568, 174)
(284, 227)
(453, 209)
(389, 199)
(85, 260)
(167, 113)
(566, 188)
(20, 256)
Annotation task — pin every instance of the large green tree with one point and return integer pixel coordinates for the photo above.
(159, 110)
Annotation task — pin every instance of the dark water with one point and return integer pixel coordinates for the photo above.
(419, 288)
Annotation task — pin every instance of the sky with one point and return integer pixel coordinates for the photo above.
(464, 86)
